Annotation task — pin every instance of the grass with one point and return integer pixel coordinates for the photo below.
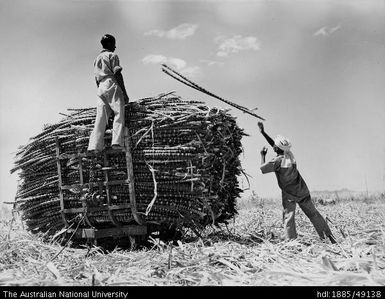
(248, 251)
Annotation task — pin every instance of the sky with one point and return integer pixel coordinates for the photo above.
(314, 69)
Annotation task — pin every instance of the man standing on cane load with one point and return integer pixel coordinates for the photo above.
(112, 96)
(294, 189)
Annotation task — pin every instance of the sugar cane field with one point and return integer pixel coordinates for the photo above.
(248, 251)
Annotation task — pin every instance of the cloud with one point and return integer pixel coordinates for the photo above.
(191, 71)
(155, 32)
(325, 31)
(334, 29)
(178, 64)
(182, 31)
(236, 44)
(154, 59)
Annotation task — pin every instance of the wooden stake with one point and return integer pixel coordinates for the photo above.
(60, 182)
(130, 175)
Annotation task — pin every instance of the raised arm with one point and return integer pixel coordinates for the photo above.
(262, 130)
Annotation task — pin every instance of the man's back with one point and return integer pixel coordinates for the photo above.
(289, 179)
(106, 65)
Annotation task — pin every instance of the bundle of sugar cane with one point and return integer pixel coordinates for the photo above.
(185, 164)
(183, 79)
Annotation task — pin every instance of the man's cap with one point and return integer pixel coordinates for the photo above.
(282, 143)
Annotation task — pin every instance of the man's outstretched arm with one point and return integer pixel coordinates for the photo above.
(262, 130)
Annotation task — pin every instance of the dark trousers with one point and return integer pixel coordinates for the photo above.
(310, 211)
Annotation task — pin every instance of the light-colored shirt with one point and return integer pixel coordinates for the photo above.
(106, 65)
(289, 179)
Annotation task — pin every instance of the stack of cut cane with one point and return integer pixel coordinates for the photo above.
(185, 163)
